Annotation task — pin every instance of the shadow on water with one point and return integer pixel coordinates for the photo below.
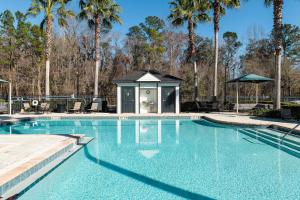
(146, 180)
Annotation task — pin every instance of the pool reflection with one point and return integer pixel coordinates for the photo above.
(148, 134)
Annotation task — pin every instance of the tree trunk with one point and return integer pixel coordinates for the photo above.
(277, 6)
(216, 46)
(39, 82)
(225, 84)
(48, 54)
(192, 55)
(195, 81)
(97, 56)
(33, 87)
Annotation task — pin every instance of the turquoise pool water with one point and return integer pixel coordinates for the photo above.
(164, 159)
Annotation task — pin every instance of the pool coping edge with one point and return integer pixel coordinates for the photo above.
(35, 172)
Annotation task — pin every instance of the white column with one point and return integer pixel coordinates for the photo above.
(177, 100)
(159, 99)
(119, 100)
(137, 99)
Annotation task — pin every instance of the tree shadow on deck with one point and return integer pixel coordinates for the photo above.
(146, 180)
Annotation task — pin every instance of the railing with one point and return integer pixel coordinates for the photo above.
(66, 101)
(291, 131)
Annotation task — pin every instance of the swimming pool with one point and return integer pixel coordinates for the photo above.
(164, 159)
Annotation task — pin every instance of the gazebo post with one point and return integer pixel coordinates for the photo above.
(256, 93)
(9, 98)
(249, 78)
(237, 97)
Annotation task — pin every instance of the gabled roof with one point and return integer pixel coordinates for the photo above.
(148, 77)
(137, 76)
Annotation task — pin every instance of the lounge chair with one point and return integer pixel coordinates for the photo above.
(27, 107)
(76, 108)
(94, 107)
(44, 107)
(202, 106)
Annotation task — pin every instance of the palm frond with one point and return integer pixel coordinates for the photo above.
(42, 24)
(268, 3)
(62, 22)
(91, 23)
(108, 11)
(35, 8)
(232, 3)
(82, 15)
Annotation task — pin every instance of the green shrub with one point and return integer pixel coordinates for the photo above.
(266, 113)
(295, 109)
(188, 106)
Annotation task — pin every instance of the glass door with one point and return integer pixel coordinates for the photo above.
(148, 100)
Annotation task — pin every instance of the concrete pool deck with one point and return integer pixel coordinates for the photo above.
(21, 156)
(221, 117)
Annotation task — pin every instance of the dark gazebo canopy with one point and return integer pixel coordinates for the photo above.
(251, 78)
(248, 78)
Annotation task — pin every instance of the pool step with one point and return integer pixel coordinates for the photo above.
(284, 146)
(283, 130)
(289, 138)
(276, 138)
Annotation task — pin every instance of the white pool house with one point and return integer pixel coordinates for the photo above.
(148, 91)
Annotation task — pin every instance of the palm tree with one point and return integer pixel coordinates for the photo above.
(277, 26)
(192, 12)
(219, 7)
(47, 7)
(99, 13)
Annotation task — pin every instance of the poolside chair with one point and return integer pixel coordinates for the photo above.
(94, 107)
(27, 107)
(44, 107)
(76, 108)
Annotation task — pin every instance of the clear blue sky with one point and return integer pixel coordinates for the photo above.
(250, 14)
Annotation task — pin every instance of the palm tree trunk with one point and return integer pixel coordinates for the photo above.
(192, 55)
(216, 46)
(97, 56)
(277, 6)
(195, 81)
(39, 82)
(48, 54)
(225, 84)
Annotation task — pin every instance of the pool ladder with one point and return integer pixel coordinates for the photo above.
(287, 133)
